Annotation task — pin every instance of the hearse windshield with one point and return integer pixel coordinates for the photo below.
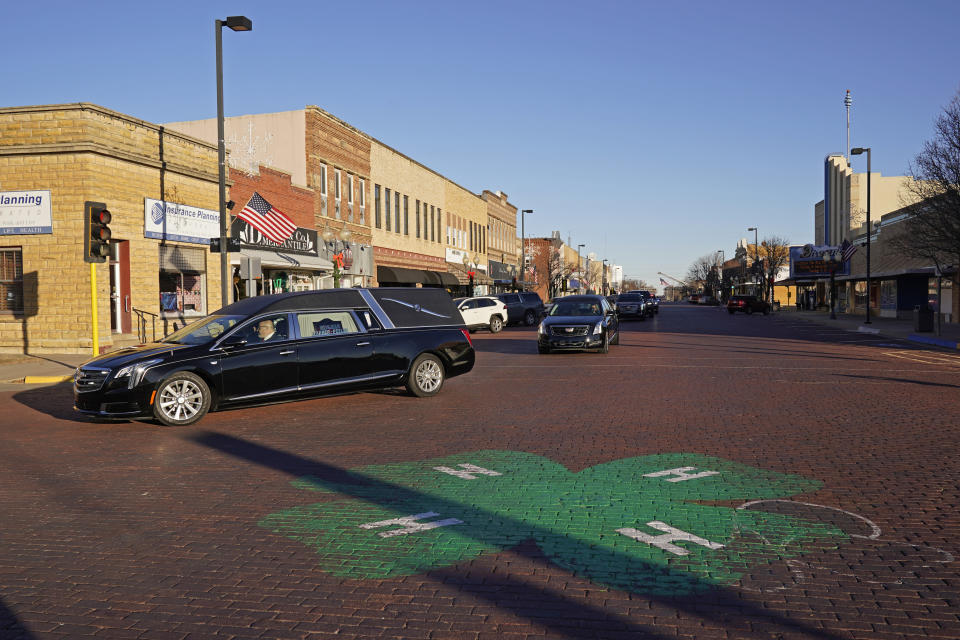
(204, 330)
(582, 308)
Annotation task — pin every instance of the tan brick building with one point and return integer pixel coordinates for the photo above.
(501, 240)
(323, 154)
(66, 155)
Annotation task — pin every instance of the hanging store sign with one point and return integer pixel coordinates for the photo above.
(814, 261)
(303, 241)
(179, 222)
(25, 213)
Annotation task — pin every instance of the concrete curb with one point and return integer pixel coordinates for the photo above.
(43, 379)
(939, 342)
(863, 329)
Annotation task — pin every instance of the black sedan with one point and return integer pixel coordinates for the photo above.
(579, 323)
(279, 347)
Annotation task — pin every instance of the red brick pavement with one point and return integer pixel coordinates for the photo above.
(130, 530)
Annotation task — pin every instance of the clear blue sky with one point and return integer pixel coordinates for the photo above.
(653, 132)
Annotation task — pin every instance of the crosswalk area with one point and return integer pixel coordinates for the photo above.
(926, 356)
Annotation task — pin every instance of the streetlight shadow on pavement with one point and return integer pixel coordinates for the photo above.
(900, 380)
(10, 626)
(564, 615)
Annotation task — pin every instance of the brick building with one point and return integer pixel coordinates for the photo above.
(161, 188)
(323, 154)
(502, 256)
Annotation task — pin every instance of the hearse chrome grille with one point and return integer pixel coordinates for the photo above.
(90, 379)
(568, 331)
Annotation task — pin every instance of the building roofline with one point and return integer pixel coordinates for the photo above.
(89, 106)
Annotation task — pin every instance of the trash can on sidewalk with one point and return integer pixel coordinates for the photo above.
(922, 319)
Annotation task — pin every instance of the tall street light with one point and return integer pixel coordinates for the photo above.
(237, 23)
(723, 258)
(579, 268)
(756, 254)
(603, 277)
(523, 246)
(857, 151)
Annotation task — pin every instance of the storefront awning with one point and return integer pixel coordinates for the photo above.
(400, 275)
(275, 259)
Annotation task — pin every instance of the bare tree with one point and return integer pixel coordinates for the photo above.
(932, 231)
(704, 272)
(776, 254)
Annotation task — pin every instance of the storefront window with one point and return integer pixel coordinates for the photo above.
(183, 289)
(888, 294)
(860, 294)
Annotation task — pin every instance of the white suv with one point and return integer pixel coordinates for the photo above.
(482, 312)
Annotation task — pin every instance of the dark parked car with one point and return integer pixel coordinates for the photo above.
(578, 323)
(280, 347)
(633, 304)
(525, 307)
(747, 304)
(653, 302)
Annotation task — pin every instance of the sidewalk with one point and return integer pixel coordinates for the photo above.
(39, 369)
(949, 337)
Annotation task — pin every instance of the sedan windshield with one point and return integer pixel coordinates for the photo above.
(581, 308)
(203, 330)
(630, 297)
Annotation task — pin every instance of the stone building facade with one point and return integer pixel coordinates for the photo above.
(73, 153)
(501, 240)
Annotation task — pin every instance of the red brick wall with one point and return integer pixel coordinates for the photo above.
(275, 187)
(336, 144)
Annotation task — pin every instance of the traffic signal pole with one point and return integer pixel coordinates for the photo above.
(93, 309)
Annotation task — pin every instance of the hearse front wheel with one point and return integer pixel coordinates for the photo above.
(426, 376)
(181, 399)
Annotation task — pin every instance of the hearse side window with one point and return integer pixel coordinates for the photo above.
(326, 323)
(270, 328)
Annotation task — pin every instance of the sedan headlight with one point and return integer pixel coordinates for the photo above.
(135, 371)
(598, 329)
(543, 329)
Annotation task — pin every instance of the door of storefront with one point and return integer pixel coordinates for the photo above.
(120, 321)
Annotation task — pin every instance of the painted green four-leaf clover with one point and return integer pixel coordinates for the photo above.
(640, 524)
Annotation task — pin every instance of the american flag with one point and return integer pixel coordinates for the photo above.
(267, 220)
(664, 282)
(847, 249)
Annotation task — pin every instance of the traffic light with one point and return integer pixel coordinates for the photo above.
(96, 237)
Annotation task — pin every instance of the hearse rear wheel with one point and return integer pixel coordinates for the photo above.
(426, 376)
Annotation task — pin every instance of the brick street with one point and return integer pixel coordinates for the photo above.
(822, 462)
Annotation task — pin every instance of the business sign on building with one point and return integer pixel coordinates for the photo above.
(303, 241)
(813, 261)
(456, 256)
(179, 222)
(25, 212)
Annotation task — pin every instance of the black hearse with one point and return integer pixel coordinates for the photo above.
(280, 347)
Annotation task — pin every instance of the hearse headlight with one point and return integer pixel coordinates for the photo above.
(135, 371)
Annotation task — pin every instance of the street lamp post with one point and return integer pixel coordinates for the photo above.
(579, 268)
(833, 262)
(603, 277)
(723, 258)
(857, 151)
(523, 247)
(237, 23)
(756, 254)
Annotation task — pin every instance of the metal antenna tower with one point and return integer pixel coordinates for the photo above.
(848, 101)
